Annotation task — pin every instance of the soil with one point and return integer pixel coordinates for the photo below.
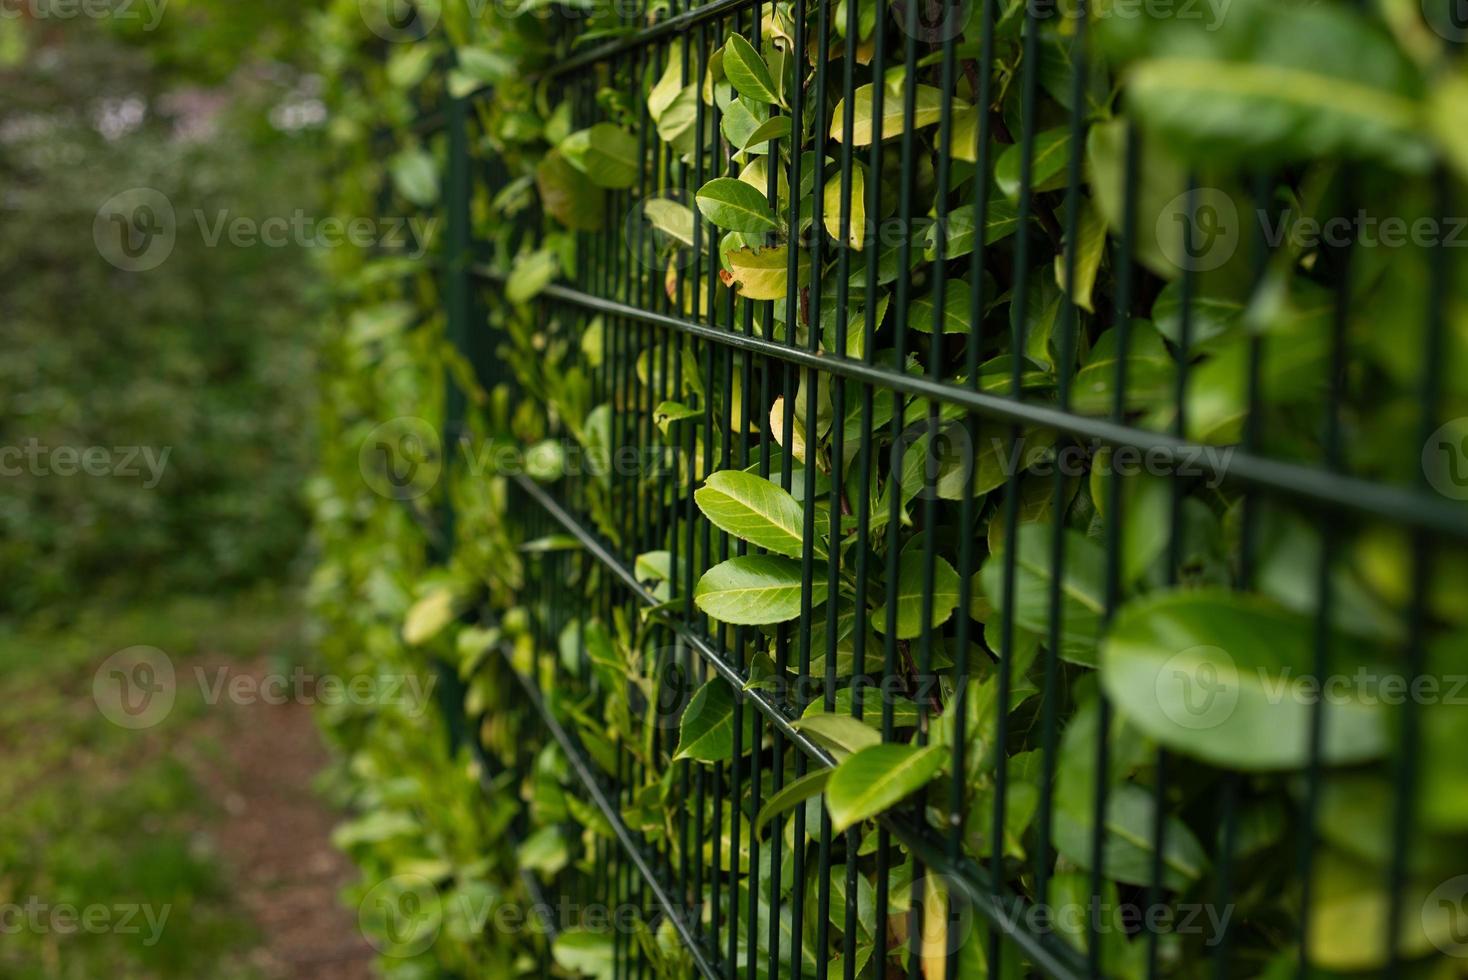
(273, 834)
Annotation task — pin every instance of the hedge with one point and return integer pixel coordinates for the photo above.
(1198, 664)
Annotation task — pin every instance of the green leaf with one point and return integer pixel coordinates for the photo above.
(957, 303)
(876, 779)
(743, 118)
(1090, 249)
(409, 65)
(747, 71)
(429, 616)
(544, 851)
(1229, 111)
(755, 589)
(1209, 316)
(833, 210)
(1347, 919)
(910, 595)
(1049, 158)
(671, 218)
(1082, 588)
(1001, 220)
(605, 153)
(706, 732)
(927, 110)
(567, 194)
(415, 175)
(731, 203)
(811, 784)
(585, 953)
(871, 698)
(1128, 848)
(758, 511)
(485, 66)
(1225, 678)
(774, 128)
(1145, 514)
(1357, 814)
(841, 734)
(1245, 91)
(1161, 182)
(531, 273)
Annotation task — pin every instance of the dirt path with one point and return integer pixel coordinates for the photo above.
(274, 837)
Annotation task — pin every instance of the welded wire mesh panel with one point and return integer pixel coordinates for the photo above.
(989, 495)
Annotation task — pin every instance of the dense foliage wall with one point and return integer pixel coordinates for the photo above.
(1057, 639)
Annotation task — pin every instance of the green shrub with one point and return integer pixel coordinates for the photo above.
(828, 522)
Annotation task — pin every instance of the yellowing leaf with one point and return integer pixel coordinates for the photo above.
(762, 273)
(927, 110)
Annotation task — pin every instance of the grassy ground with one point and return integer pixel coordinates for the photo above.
(124, 825)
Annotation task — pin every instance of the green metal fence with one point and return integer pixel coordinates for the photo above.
(672, 354)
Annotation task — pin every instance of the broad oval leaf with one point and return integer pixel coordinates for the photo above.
(927, 110)
(606, 154)
(706, 732)
(1249, 92)
(957, 307)
(568, 194)
(1049, 157)
(811, 784)
(774, 128)
(1082, 588)
(755, 589)
(731, 203)
(843, 735)
(755, 510)
(877, 778)
(1128, 851)
(429, 616)
(763, 273)
(911, 576)
(415, 175)
(1227, 678)
(747, 71)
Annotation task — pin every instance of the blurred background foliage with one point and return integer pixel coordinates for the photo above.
(210, 357)
(207, 356)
